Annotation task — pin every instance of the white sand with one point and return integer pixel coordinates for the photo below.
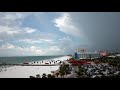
(26, 71)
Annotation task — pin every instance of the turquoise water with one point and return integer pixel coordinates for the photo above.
(16, 60)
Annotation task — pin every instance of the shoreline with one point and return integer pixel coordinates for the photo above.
(26, 71)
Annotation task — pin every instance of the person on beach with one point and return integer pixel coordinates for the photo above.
(42, 61)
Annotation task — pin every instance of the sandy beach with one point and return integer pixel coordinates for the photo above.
(26, 71)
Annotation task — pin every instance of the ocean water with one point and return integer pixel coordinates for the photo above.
(16, 60)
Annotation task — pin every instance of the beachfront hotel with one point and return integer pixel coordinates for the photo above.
(83, 54)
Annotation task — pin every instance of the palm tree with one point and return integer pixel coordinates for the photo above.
(53, 76)
(38, 76)
(49, 76)
(80, 71)
(64, 69)
(32, 77)
(44, 75)
(62, 74)
(67, 69)
(57, 74)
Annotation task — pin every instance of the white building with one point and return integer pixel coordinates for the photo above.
(88, 55)
(118, 55)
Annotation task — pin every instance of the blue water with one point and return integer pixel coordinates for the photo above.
(16, 60)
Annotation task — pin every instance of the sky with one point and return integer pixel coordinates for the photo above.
(57, 33)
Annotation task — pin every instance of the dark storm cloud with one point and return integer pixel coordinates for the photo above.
(101, 28)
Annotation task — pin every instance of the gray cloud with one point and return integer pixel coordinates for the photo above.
(97, 30)
(101, 28)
